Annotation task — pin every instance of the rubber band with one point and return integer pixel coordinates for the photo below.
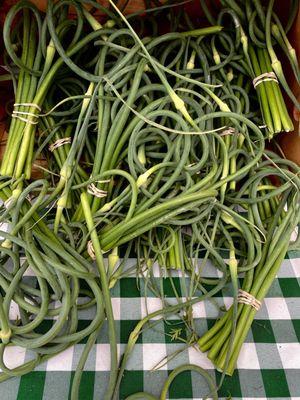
(248, 299)
(59, 143)
(28, 105)
(90, 250)
(228, 131)
(24, 119)
(18, 114)
(92, 189)
(24, 113)
(267, 76)
(262, 126)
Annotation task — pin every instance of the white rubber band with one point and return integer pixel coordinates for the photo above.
(24, 113)
(248, 299)
(267, 76)
(90, 250)
(92, 189)
(59, 142)
(24, 119)
(28, 105)
(18, 114)
(228, 131)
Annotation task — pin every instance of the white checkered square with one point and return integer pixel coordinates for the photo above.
(277, 308)
(14, 356)
(289, 354)
(198, 358)
(150, 305)
(116, 305)
(102, 357)
(248, 357)
(154, 355)
(61, 362)
(199, 310)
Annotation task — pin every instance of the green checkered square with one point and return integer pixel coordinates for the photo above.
(263, 332)
(231, 385)
(133, 382)
(32, 386)
(289, 287)
(275, 383)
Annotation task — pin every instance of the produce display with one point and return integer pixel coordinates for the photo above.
(156, 146)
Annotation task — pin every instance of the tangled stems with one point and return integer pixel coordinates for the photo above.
(153, 216)
(274, 250)
(106, 294)
(172, 376)
(158, 154)
(60, 341)
(163, 312)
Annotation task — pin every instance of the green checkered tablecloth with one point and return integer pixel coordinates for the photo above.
(268, 367)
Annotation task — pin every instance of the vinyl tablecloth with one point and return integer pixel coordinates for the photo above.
(268, 366)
